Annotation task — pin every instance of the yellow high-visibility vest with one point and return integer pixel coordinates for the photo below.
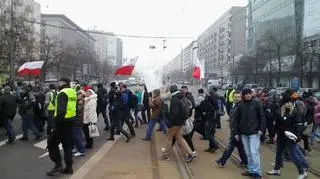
(51, 106)
(229, 95)
(71, 110)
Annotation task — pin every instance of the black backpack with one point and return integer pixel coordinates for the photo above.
(185, 106)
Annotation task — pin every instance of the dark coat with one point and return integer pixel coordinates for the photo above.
(8, 106)
(175, 118)
(250, 118)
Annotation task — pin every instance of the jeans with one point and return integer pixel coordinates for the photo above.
(78, 139)
(228, 152)
(8, 126)
(138, 109)
(209, 132)
(129, 124)
(251, 145)
(28, 123)
(315, 133)
(116, 124)
(151, 125)
(144, 117)
(293, 150)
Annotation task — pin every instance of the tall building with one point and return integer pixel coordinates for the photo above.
(221, 42)
(119, 52)
(279, 18)
(26, 18)
(311, 24)
(112, 50)
(173, 67)
(74, 42)
(101, 44)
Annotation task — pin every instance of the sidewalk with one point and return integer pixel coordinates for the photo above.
(137, 159)
(267, 156)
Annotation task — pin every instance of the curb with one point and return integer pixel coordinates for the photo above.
(184, 168)
(154, 159)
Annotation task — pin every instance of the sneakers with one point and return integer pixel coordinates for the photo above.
(110, 138)
(55, 170)
(74, 151)
(302, 176)
(195, 153)
(189, 158)
(219, 164)
(79, 154)
(274, 172)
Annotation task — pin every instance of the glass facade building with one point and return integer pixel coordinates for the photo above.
(279, 18)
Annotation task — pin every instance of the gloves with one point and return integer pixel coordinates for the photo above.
(291, 136)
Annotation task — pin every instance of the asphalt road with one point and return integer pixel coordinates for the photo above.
(21, 160)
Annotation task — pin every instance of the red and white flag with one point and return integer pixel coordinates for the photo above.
(127, 68)
(198, 71)
(30, 69)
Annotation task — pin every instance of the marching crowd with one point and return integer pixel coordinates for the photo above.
(71, 112)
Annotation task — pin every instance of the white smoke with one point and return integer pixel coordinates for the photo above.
(153, 79)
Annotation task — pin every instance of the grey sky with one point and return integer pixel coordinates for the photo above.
(144, 17)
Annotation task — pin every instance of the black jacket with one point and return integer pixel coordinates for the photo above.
(102, 97)
(175, 109)
(233, 120)
(118, 108)
(111, 94)
(250, 118)
(8, 106)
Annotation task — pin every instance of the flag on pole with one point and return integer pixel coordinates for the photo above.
(127, 68)
(30, 68)
(198, 71)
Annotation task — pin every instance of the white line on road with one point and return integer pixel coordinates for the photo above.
(84, 169)
(2, 143)
(43, 145)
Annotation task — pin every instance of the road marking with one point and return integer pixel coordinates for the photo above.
(86, 167)
(2, 143)
(43, 145)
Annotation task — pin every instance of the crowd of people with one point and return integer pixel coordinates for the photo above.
(71, 112)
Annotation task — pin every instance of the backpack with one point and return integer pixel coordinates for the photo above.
(133, 101)
(185, 106)
(220, 110)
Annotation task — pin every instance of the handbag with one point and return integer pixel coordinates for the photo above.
(93, 130)
(188, 127)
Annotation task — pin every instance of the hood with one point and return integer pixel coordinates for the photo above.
(310, 100)
(177, 94)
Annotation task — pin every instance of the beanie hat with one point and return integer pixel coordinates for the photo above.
(246, 91)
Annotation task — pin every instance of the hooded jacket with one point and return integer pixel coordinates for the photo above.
(175, 118)
(156, 106)
(90, 106)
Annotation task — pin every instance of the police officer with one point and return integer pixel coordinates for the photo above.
(229, 98)
(50, 103)
(64, 119)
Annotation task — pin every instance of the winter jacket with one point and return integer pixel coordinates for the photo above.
(250, 118)
(139, 96)
(199, 99)
(233, 120)
(90, 106)
(118, 109)
(175, 118)
(8, 106)
(165, 97)
(27, 103)
(145, 99)
(317, 113)
(102, 97)
(111, 94)
(80, 108)
(190, 98)
(310, 104)
(126, 95)
(156, 106)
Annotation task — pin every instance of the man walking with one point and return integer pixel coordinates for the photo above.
(250, 124)
(8, 108)
(64, 118)
(102, 105)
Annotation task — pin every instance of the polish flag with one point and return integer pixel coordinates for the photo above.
(127, 68)
(30, 69)
(197, 70)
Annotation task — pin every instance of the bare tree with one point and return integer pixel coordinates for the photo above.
(309, 55)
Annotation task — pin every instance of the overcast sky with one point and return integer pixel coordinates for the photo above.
(144, 17)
